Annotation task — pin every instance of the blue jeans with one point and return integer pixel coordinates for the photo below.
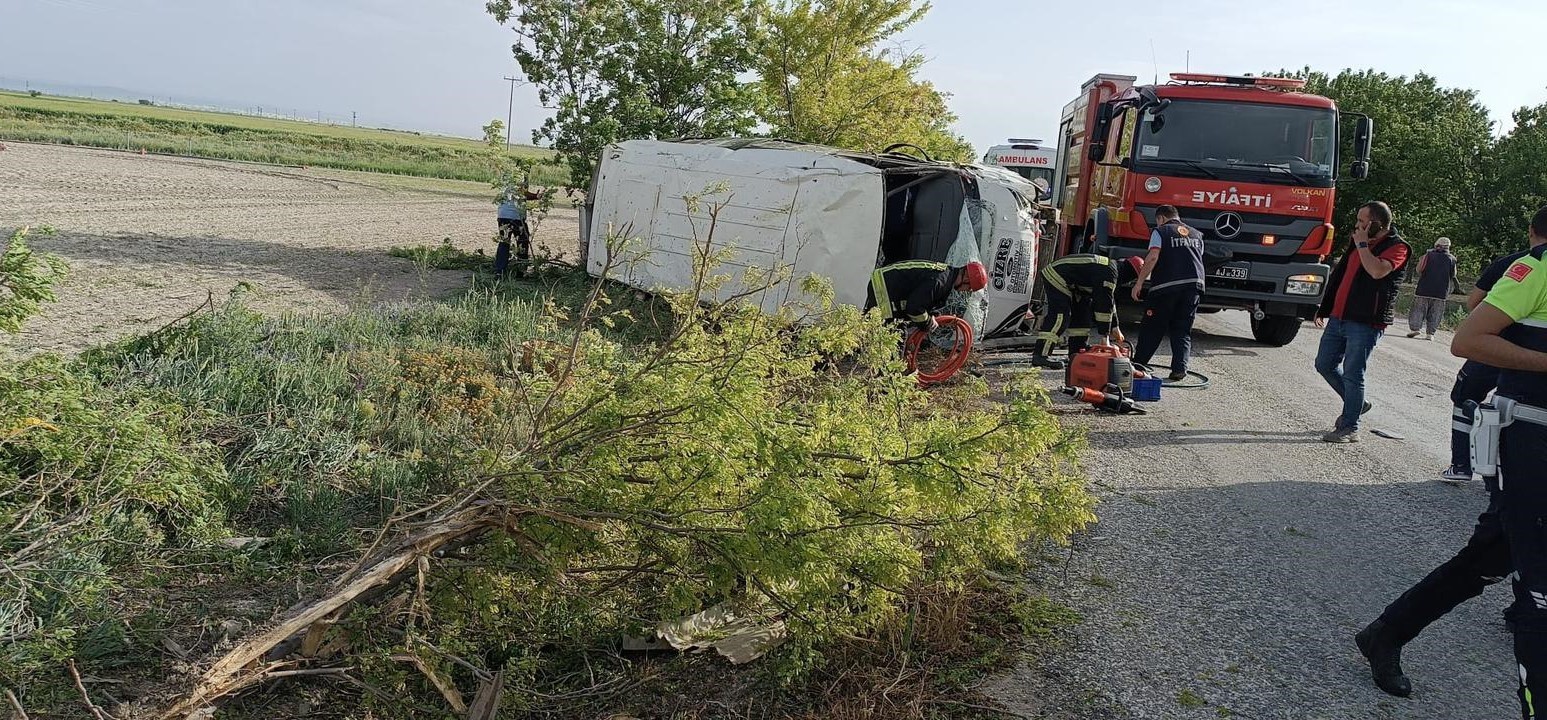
(1348, 344)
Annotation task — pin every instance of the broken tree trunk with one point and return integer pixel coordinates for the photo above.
(245, 665)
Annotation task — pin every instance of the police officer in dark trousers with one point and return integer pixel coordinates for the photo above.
(1509, 438)
(908, 290)
(1081, 294)
(1174, 267)
(1474, 380)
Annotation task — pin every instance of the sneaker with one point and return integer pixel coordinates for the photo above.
(1430, 337)
(1342, 435)
(1456, 474)
(1413, 334)
(1365, 409)
(1177, 376)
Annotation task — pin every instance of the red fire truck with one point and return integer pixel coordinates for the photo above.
(1252, 162)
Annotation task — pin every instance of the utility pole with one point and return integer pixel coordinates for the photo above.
(510, 110)
(354, 119)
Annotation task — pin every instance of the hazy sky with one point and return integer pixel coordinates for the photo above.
(1010, 65)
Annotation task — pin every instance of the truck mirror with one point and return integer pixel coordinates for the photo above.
(1360, 169)
(1364, 137)
(1097, 151)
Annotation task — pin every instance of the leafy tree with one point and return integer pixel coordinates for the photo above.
(494, 133)
(1429, 153)
(26, 281)
(634, 68)
(826, 78)
(1516, 183)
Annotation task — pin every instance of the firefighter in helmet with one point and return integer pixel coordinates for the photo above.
(1081, 292)
(908, 291)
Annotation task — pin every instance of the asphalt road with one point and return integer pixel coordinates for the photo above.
(1237, 554)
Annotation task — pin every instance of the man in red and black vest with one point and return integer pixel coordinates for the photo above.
(1360, 303)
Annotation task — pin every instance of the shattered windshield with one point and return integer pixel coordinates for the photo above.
(1294, 145)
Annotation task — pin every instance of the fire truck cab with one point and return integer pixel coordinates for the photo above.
(1251, 162)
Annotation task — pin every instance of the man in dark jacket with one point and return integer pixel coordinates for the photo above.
(1174, 267)
(1436, 280)
(908, 290)
(1081, 293)
(1475, 380)
(1359, 304)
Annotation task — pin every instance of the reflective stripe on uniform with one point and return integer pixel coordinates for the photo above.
(878, 282)
(1459, 421)
(1054, 279)
(878, 288)
(1184, 281)
(1051, 275)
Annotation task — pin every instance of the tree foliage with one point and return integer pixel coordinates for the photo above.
(1428, 157)
(633, 68)
(1515, 183)
(828, 78)
(26, 281)
(807, 70)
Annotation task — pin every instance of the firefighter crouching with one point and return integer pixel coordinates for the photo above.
(1509, 440)
(908, 291)
(1081, 294)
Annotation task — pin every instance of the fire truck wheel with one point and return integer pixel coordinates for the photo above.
(1276, 330)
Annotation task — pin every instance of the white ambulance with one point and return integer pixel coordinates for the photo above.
(1030, 159)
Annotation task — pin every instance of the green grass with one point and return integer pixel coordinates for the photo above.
(228, 136)
(442, 257)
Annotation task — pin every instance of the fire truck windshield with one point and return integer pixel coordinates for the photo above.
(1262, 143)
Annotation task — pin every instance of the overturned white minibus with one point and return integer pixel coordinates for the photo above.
(814, 209)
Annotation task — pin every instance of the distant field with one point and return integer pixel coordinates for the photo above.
(97, 123)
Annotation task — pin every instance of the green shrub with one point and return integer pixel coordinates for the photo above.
(631, 462)
(96, 486)
(442, 257)
(26, 281)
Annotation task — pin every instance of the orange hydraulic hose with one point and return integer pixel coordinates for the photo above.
(953, 362)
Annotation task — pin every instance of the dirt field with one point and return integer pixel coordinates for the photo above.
(150, 237)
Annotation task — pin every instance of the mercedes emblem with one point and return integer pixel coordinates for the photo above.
(1227, 225)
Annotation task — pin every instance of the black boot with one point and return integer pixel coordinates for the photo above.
(1043, 361)
(1385, 659)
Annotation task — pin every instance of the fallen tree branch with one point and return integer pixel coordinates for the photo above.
(447, 690)
(232, 672)
(486, 705)
(97, 712)
(21, 712)
(238, 669)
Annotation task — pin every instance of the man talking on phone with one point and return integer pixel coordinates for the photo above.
(1360, 302)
